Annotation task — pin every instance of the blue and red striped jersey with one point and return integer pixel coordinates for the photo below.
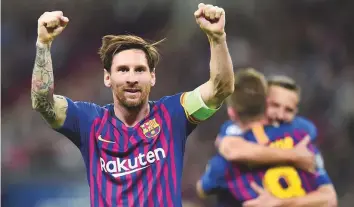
(230, 128)
(131, 166)
(282, 181)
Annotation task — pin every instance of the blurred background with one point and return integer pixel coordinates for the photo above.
(310, 40)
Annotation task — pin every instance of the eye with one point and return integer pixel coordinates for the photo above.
(140, 69)
(274, 104)
(290, 110)
(122, 69)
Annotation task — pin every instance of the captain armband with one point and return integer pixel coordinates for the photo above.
(195, 108)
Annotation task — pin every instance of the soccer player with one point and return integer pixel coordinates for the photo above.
(282, 102)
(247, 100)
(133, 148)
(282, 106)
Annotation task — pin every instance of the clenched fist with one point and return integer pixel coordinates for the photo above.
(211, 20)
(51, 24)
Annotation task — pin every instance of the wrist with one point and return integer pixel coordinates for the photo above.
(280, 203)
(286, 202)
(217, 38)
(42, 44)
(292, 156)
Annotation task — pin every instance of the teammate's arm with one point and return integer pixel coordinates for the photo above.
(212, 179)
(238, 149)
(52, 107)
(324, 196)
(200, 191)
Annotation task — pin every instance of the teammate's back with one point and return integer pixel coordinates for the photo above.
(282, 181)
(249, 101)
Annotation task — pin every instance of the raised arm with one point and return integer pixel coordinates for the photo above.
(211, 20)
(52, 107)
(204, 101)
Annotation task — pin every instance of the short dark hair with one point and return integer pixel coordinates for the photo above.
(113, 44)
(249, 96)
(284, 81)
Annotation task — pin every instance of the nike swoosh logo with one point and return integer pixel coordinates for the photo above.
(128, 172)
(103, 140)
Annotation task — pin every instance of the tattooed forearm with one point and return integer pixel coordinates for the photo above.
(43, 83)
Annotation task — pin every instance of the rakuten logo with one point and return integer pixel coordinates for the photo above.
(121, 167)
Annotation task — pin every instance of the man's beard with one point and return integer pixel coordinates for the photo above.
(130, 104)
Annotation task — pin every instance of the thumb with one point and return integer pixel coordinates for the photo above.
(305, 141)
(64, 21)
(201, 6)
(312, 170)
(250, 203)
(257, 188)
(198, 13)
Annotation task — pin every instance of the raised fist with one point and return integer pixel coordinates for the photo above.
(211, 20)
(51, 24)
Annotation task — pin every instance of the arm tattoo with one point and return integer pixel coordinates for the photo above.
(43, 83)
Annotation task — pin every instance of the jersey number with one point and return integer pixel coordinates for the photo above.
(272, 182)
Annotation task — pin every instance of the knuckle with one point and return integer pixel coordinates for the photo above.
(208, 7)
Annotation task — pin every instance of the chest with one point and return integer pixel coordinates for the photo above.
(121, 151)
(114, 138)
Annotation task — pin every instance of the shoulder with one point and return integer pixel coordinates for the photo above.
(171, 99)
(84, 108)
(300, 121)
(171, 104)
(217, 161)
(305, 124)
(230, 128)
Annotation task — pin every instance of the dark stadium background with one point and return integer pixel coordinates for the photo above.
(310, 40)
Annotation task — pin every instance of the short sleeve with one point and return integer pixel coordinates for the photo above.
(305, 124)
(322, 177)
(213, 177)
(77, 121)
(228, 128)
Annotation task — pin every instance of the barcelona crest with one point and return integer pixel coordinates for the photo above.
(151, 128)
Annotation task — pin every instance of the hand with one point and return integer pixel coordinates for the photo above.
(264, 199)
(211, 20)
(304, 158)
(50, 25)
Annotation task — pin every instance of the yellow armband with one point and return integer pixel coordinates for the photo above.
(195, 108)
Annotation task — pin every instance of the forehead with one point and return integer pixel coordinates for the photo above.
(283, 96)
(131, 57)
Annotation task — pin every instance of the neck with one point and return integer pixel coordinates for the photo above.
(131, 116)
(249, 125)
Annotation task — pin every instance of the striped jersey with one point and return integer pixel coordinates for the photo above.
(131, 166)
(230, 128)
(281, 181)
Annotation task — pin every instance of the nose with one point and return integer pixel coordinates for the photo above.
(281, 116)
(132, 78)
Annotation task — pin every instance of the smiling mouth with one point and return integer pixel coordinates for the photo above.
(132, 90)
